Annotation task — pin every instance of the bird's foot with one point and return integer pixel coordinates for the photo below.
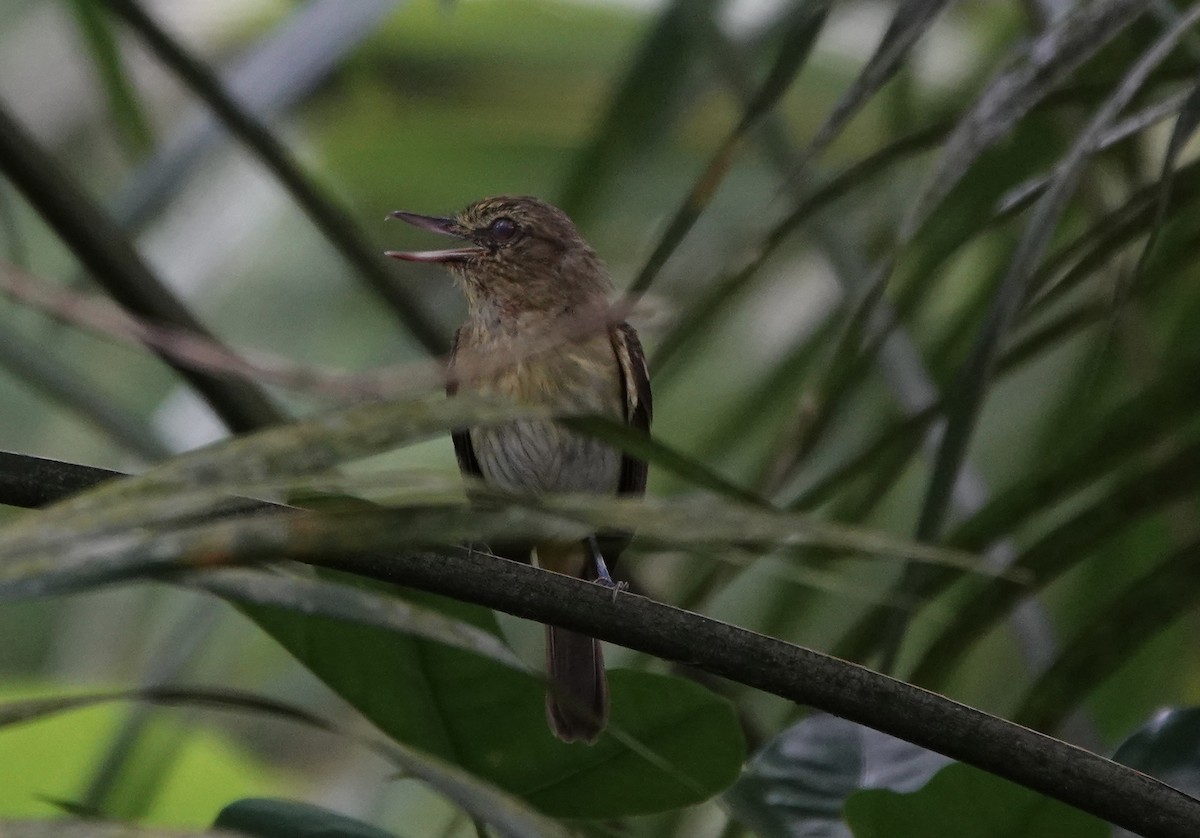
(603, 577)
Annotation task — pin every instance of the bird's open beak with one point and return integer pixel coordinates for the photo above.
(435, 224)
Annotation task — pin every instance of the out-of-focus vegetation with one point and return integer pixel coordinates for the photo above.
(918, 268)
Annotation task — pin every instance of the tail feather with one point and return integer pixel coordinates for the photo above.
(577, 689)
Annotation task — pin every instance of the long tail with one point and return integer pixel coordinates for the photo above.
(577, 690)
(576, 687)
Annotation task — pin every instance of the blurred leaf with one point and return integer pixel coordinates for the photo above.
(1037, 69)
(967, 803)
(310, 41)
(483, 801)
(902, 438)
(305, 447)
(717, 298)
(1151, 416)
(1095, 248)
(796, 786)
(22, 711)
(1130, 430)
(50, 759)
(1117, 630)
(758, 406)
(797, 40)
(640, 108)
(872, 330)
(59, 828)
(1185, 127)
(797, 33)
(106, 252)
(106, 55)
(1129, 128)
(1064, 546)
(911, 20)
(67, 388)
(967, 143)
(334, 223)
(965, 397)
(271, 818)
(1099, 243)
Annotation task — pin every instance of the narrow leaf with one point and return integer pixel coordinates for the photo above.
(908, 24)
(1185, 127)
(1133, 497)
(1037, 69)
(965, 398)
(798, 39)
(657, 453)
(106, 55)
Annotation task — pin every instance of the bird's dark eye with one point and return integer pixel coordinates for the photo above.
(502, 230)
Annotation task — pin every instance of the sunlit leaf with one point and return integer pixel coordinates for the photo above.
(510, 816)
(60, 828)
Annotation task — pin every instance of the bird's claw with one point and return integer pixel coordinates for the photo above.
(615, 587)
(603, 577)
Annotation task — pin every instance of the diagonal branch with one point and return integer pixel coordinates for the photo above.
(1038, 762)
(1049, 766)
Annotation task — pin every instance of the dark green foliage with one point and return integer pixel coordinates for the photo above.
(930, 274)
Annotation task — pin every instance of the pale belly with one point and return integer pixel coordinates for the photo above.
(534, 456)
(541, 456)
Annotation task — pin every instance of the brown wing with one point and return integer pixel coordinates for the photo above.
(467, 462)
(639, 410)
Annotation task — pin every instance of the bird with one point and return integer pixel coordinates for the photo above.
(531, 280)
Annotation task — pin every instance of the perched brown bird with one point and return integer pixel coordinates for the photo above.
(529, 277)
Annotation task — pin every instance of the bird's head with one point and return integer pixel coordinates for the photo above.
(521, 253)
